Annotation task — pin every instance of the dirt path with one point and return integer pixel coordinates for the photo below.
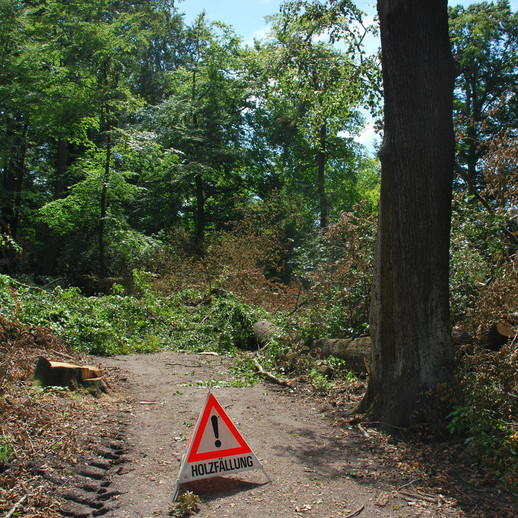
(317, 469)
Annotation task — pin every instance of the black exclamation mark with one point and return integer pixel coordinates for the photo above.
(214, 420)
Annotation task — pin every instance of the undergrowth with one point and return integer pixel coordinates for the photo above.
(485, 415)
(122, 324)
(210, 302)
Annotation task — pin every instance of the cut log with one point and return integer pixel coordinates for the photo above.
(491, 338)
(355, 352)
(506, 329)
(264, 332)
(461, 337)
(50, 373)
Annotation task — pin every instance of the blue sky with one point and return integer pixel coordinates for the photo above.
(247, 16)
(247, 19)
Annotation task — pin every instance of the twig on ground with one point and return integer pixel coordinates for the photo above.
(355, 513)
(16, 505)
(171, 364)
(386, 425)
(411, 494)
(406, 485)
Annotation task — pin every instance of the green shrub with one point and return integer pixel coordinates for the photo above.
(487, 409)
(6, 449)
(338, 266)
(121, 324)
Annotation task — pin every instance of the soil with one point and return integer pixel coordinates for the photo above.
(319, 465)
(321, 462)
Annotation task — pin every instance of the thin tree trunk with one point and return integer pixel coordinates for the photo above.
(412, 349)
(104, 202)
(200, 210)
(198, 180)
(321, 177)
(47, 260)
(12, 180)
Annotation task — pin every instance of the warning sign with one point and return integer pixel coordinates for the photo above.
(215, 447)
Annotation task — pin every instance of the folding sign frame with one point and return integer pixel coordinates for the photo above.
(215, 447)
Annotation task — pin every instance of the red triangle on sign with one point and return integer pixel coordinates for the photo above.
(215, 436)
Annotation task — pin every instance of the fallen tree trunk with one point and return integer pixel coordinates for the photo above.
(355, 352)
(264, 332)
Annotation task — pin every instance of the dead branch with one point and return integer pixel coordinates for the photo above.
(16, 505)
(406, 485)
(269, 376)
(411, 494)
(355, 513)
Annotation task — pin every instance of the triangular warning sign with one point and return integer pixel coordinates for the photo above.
(216, 447)
(216, 436)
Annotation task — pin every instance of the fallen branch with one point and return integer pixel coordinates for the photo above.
(355, 513)
(411, 494)
(16, 505)
(362, 431)
(269, 376)
(406, 485)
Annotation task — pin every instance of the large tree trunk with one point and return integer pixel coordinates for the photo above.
(412, 351)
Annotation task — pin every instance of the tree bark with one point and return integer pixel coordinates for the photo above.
(104, 206)
(411, 339)
(14, 175)
(321, 176)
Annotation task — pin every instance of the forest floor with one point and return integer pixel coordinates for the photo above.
(119, 455)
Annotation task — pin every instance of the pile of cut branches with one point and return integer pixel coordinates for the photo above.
(41, 430)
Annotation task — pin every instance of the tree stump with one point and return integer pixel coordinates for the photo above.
(50, 373)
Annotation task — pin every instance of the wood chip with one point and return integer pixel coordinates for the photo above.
(382, 500)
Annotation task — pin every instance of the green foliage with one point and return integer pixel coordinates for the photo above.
(245, 371)
(473, 243)
(220, 323)
(338, 264)
(484, 291)
(121, 324)
(484, 38)
(319, 381)
(6, 449)
(9, 245)
(188, 504)
(484, 244)
(485, 416)
(313, 91)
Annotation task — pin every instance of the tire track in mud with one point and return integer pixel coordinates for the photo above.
(92, 493)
